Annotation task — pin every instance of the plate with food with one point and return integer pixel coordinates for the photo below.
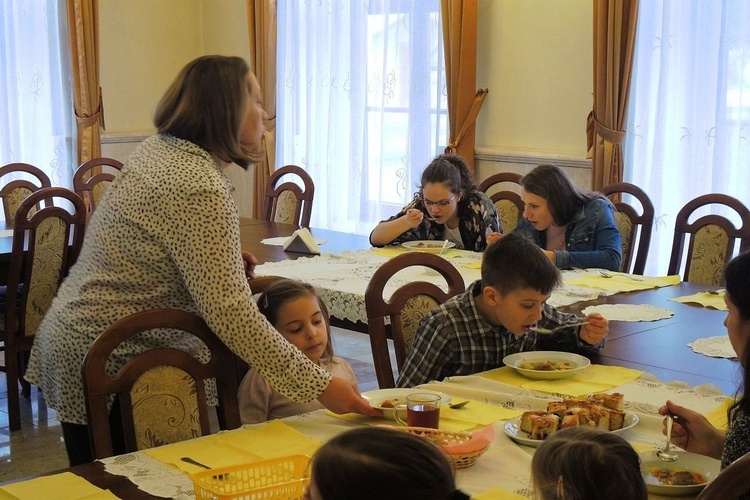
(688, 475)
(429, 246)
(547, 365)
(387, 399)
(603, 411)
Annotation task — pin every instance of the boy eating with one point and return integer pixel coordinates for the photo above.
(474, 331)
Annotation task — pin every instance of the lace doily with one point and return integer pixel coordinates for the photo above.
(715, 347)
(150, 475)
(281, 240)
(629, 312)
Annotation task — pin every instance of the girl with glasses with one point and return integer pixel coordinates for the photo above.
(447, 206)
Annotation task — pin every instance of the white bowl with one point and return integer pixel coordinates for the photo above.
(377, 397)
(706, 466)
(429, 246)
(580, 362)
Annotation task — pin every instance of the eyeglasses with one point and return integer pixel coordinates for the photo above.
(441, 203)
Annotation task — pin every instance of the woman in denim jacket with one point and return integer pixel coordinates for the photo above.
(574, 227)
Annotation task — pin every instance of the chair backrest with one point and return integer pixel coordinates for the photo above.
(162, 390)
(711, 240)
(398, 317)
(732, 482)
(287, 202)
(635, 229)
(46, 243)
(17, 189)
(509, 204)
(92, 179)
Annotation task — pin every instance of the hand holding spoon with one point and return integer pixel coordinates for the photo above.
(666, 454)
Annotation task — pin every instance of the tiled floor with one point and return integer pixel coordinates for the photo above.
(38, 447)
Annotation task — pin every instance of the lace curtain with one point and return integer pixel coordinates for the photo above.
(689, 114)
(361, 103)
(36, 114)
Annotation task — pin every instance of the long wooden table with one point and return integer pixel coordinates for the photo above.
(659, 347)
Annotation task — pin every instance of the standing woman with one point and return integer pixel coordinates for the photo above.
(692, 431)
(448, 206)
(166, 235)
(575, 228)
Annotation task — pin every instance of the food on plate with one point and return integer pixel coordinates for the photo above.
(677, 477)
(604, 411)
(390, 403)
(546, 365)
(427, 245)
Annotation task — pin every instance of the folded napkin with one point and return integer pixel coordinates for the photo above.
(270, 440)
(281, 241)
(66, 486)
(704, 299)
(620, 282)
(593, 378)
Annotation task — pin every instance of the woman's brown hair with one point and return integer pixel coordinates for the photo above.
(205, 105)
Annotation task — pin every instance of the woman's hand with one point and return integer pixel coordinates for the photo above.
(340, 397)
(413, 217)
(250, 262)
(596, 330)
(692, 432)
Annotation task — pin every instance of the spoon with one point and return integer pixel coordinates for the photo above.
(456, 406)
(445, 244)
(606, 274)
(716, 292)
(666, 454)
(195, 462)
(547, 331)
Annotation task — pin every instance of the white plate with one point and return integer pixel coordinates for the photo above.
(513, 429)
(706, 466)
(513, 360)
(429, 246)
(378, 396)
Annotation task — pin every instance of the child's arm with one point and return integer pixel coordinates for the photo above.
(575, 338)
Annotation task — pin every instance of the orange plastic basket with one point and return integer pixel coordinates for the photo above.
(282, 478)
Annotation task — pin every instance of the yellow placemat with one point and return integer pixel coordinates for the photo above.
(66, 486)
(274, 439)
(498, 494)
(620, 282)
(594, 378)
(718, 417)
(704, 299)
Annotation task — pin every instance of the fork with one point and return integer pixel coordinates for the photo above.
(546, 331)
(195, 462)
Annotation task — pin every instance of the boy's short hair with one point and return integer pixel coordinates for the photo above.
(514, 263)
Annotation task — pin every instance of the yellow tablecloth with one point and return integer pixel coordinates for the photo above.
(619, 282)
(66, 486)
(704, 299)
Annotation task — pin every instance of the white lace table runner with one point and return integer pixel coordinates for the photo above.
(715, 347)
(341, 279)
(629, 312)
(150, 475)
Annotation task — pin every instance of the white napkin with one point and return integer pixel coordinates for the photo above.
(629, 312)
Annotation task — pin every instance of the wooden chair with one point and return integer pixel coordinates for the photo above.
(287, 202)
(161, 391)
(52, 238)
(635, 229)
(508, 203)
(17, 186)
(711, 240)
(408, 304)
(92, 179)
(732, 482)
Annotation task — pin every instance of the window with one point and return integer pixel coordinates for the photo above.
(36, 114)
(689, 112)
(361, 103)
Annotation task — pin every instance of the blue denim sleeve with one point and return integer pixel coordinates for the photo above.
(593, 241)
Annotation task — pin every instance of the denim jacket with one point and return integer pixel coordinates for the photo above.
(591, 238)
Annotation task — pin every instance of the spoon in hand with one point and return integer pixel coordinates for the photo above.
(666, 454)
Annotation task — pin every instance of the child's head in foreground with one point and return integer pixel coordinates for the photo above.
(583, 463)
(374, 463)
(517, 279)
(294, 309)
